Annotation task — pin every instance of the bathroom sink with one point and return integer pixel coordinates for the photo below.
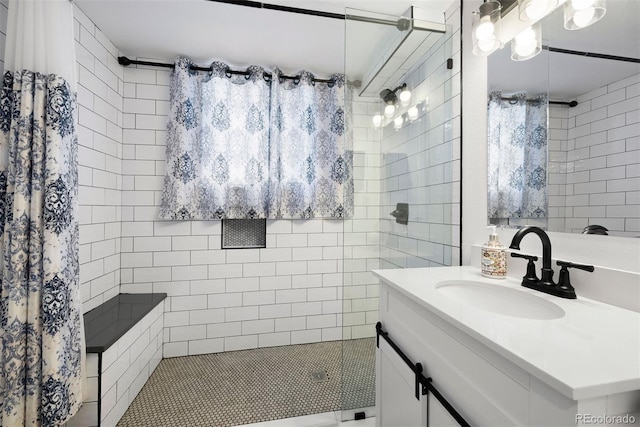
(499, 299)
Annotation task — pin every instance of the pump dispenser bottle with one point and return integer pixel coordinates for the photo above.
(494, 256)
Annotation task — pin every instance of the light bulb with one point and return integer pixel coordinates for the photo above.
(525, 49)
(397, 122)
(486, 45)
(536, 8)
(405, 97)
(412, 113)
(377, 120)
(582, 4)
(389, 110)
(485, 28)
(582, 18)
(525, 44)
(526, 36)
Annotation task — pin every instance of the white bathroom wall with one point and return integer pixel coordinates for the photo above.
(100, 118)
(615, 252)
(3, 30)
(362, 236)
(421, 164)
(602, 159)
(221, 300)
(558, 119)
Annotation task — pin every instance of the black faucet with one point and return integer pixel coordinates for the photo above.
(545, 284)
(547, 271)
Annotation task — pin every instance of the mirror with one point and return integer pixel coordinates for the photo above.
(580, 171)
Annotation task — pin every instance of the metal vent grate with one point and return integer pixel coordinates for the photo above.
(244, 233)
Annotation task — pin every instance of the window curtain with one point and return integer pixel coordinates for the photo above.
(217, 144)
(40, 307)
(517, 151)
(253, 146)
(310, 163)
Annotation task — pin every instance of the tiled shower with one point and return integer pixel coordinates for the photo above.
(291, 292)
(313, 281)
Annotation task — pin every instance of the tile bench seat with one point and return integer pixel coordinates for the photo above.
(124, 338)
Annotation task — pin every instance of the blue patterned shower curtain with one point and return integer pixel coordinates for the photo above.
(254, 146)
(517, 154)
(217, 144)
(40, 309)
(311, 162)
(40, 306)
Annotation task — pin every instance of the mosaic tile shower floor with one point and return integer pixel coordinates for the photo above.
(249, 386)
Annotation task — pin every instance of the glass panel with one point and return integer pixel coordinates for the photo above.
(406, 174)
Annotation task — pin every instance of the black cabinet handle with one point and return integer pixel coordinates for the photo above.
(423, 385)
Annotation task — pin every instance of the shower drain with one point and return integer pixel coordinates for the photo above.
(320, 376)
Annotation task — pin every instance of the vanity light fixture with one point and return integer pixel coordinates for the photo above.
(582, 13)
(486, 28)
(377, 121)
(397, 122)
(405, 96)
(412, 113)
(527, 44)
(390, 98)
(389, 109)
(533, 10)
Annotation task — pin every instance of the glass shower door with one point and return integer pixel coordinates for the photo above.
(364, 39)
(401, 155)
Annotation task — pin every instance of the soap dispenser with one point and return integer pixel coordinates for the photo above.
(494, 256)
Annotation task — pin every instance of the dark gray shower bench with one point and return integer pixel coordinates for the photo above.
(124, 345)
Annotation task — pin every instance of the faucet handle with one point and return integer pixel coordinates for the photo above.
(530, 277)
(529, 257)
(567, 264)
(564, 282)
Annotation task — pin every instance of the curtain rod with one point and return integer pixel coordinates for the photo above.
(259, 5)
(312, 12)
(568, 103)
(592, 54)
(124, 61)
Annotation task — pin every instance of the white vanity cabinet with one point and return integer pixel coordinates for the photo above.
(485, 387)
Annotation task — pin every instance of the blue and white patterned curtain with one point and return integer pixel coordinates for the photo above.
(40, 307)
(256, 147)
(311, 162)
(517, 151)
(217, 144)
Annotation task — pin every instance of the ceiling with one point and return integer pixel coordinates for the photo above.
(568, 76)
(240, 36)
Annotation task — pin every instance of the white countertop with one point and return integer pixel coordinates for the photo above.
(593, 350)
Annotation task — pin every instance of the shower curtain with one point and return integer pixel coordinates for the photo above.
(517, 151)
(40, 305)
(256, 146)
(217, 144)
(310, 158)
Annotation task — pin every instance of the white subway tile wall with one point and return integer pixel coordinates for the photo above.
(420, 164)
(222, 300)
(557, 166)
(594, 171)
(100, 119)
(127, 365)
(313, 282)
(88, 413)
